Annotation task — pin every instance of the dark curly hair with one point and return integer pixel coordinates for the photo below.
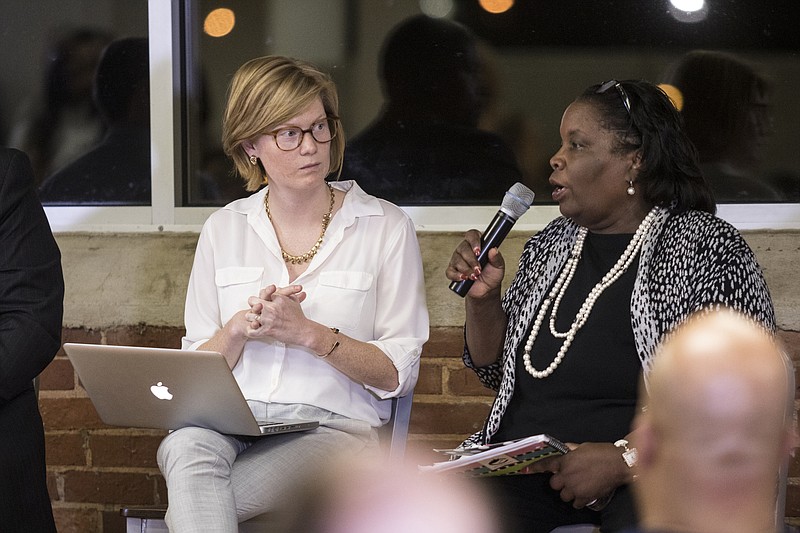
(669, 175)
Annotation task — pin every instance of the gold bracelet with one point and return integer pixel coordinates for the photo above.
(335, 345)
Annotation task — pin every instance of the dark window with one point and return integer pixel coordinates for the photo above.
(75, 97)
(465, 122)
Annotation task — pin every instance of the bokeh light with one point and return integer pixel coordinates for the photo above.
(496, 6)
(674, 94)
(688, 11)
(436, 8)
(688, 5)
(219, 22)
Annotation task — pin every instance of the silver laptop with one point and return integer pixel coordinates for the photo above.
(166, 388)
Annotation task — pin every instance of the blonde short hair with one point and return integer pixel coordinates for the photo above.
(268, 91)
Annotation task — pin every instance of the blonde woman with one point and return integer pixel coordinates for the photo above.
(312, 290)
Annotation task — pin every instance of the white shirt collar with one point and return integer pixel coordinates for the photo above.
(357, 203)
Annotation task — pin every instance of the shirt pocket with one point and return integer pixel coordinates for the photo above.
(340, 297)
(234, 286)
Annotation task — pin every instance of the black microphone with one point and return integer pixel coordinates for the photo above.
(516, 202)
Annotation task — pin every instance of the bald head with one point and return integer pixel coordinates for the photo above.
(717, 424)
(720, 374)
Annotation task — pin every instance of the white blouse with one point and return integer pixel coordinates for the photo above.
(366, 279)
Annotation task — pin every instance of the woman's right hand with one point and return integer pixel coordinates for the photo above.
(258, 306)
(464, 265)
(246, 324)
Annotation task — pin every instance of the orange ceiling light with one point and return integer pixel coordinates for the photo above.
(219, 22)
(496, 6)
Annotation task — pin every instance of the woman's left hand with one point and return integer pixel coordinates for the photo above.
(276, 313)
(588, 472)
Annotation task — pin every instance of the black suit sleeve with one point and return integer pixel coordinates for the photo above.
(31, 280)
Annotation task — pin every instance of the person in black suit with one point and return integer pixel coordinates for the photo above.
(31, 309)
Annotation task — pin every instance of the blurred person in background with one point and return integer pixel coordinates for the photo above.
(725, 105)
(116, 171)
(426, 148)
(65, 122)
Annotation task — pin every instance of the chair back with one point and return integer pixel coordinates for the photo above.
(396, 429)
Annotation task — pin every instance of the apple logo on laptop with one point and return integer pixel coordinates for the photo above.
(161, 391)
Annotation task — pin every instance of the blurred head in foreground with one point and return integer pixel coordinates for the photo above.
(715, 429)
(371, 497)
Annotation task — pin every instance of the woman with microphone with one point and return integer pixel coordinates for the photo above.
(636, 251)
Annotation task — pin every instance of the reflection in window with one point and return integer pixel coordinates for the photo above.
(65, 123)
(52, 107)
(725, 103)
(116, 169)
(425, 147)
(525, 72)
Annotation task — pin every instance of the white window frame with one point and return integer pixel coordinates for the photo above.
(165, 215)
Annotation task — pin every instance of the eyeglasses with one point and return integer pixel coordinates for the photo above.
(290, 138)
(622, 94)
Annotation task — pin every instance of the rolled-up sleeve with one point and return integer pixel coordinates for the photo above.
(401, 323)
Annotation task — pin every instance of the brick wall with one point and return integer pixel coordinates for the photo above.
(93, 469)
(137, 283)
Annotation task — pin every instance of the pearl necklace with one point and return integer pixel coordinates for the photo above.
(306, 257)
(560, 287)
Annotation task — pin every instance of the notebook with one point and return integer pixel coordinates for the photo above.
(164, 388)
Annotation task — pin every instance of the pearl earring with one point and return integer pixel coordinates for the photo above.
(631, 191)
(253, 160)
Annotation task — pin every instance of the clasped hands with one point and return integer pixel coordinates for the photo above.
(276, 313)
(590, 471)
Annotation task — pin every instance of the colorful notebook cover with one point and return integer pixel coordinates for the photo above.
(508, 458)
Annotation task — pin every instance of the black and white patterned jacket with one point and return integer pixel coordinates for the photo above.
(689, 261)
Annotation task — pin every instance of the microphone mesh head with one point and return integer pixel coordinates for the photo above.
(517, 200)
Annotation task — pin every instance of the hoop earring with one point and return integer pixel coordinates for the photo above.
(253, 160)
(631, 191)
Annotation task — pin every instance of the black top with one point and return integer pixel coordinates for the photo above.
(591, 396)
(430, 163)
(115, 172)
(31, 313)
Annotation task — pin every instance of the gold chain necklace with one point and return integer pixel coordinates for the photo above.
(306, 257)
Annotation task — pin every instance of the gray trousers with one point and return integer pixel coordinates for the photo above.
(215, 481)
